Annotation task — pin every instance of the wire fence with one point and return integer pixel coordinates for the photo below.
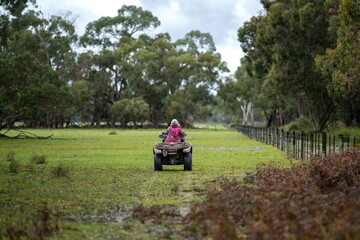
(300, 144)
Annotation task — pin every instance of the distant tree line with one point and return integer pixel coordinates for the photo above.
(114, 73)
(302, 58)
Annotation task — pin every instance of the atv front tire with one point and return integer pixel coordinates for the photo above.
(157, 162)
(187, 161)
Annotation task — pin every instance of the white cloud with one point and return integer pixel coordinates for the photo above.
(86, 10)
(175, 6)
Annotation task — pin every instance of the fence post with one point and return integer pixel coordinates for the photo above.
(341, 143)
(274, 137)
(323, 145)
(263, 135)
(354, 142)
(302, 145)
(282, 140)
(294, 144)
(287, 142)
(311, 143)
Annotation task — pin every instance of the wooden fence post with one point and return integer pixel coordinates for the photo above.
(302, 145)
(341, 143)
(324, 145)
(287, 142)
(311, 143)
(294, 144)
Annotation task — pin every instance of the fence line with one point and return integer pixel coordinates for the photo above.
(300, 144)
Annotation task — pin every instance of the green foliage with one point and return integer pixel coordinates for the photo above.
(341, 66)
(107, 31)
(300, 124)
(131, 110)
(45, 83)
(347, 132)
(278, 73)
(35, 60)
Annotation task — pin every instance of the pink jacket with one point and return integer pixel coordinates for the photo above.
(174, 134)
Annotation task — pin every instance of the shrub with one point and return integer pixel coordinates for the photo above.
(313, 200)
(61, 170)
(300, 124)
(38, 159)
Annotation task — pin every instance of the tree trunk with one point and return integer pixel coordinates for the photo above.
(247, 111)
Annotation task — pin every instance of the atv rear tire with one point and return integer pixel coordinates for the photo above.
(157, 162)
(187, 161)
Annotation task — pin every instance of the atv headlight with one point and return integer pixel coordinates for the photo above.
(165, 153)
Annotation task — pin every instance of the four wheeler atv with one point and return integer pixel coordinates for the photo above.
(175, 153)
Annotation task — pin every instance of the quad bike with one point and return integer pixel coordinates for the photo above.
(174, 153)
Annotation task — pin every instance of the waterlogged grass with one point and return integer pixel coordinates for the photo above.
(108, 172)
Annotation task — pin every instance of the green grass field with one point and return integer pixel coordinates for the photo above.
(110, 172)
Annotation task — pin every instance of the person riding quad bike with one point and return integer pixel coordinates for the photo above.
(174, 133)
(173, 150)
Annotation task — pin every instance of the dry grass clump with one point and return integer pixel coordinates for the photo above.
(315, 200)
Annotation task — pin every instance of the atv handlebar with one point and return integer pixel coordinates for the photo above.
(163, 136)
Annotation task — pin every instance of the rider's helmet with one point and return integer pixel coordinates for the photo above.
(174, 122)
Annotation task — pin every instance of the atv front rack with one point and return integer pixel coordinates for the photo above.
(172, 147)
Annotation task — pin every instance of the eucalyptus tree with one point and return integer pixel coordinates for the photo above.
(286, 39)
(254, 87)
(202, 76)
(179, 76)
(33, 68)
(117, 40)
(341, 64)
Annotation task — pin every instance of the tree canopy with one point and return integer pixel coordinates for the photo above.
(115, 72)
(301, 59)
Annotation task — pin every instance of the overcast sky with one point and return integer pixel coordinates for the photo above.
(178, 17)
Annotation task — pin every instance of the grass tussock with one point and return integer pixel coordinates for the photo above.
(61, 170)
(10, 156)
(38, 159)
(315, 200)
(14, 166)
